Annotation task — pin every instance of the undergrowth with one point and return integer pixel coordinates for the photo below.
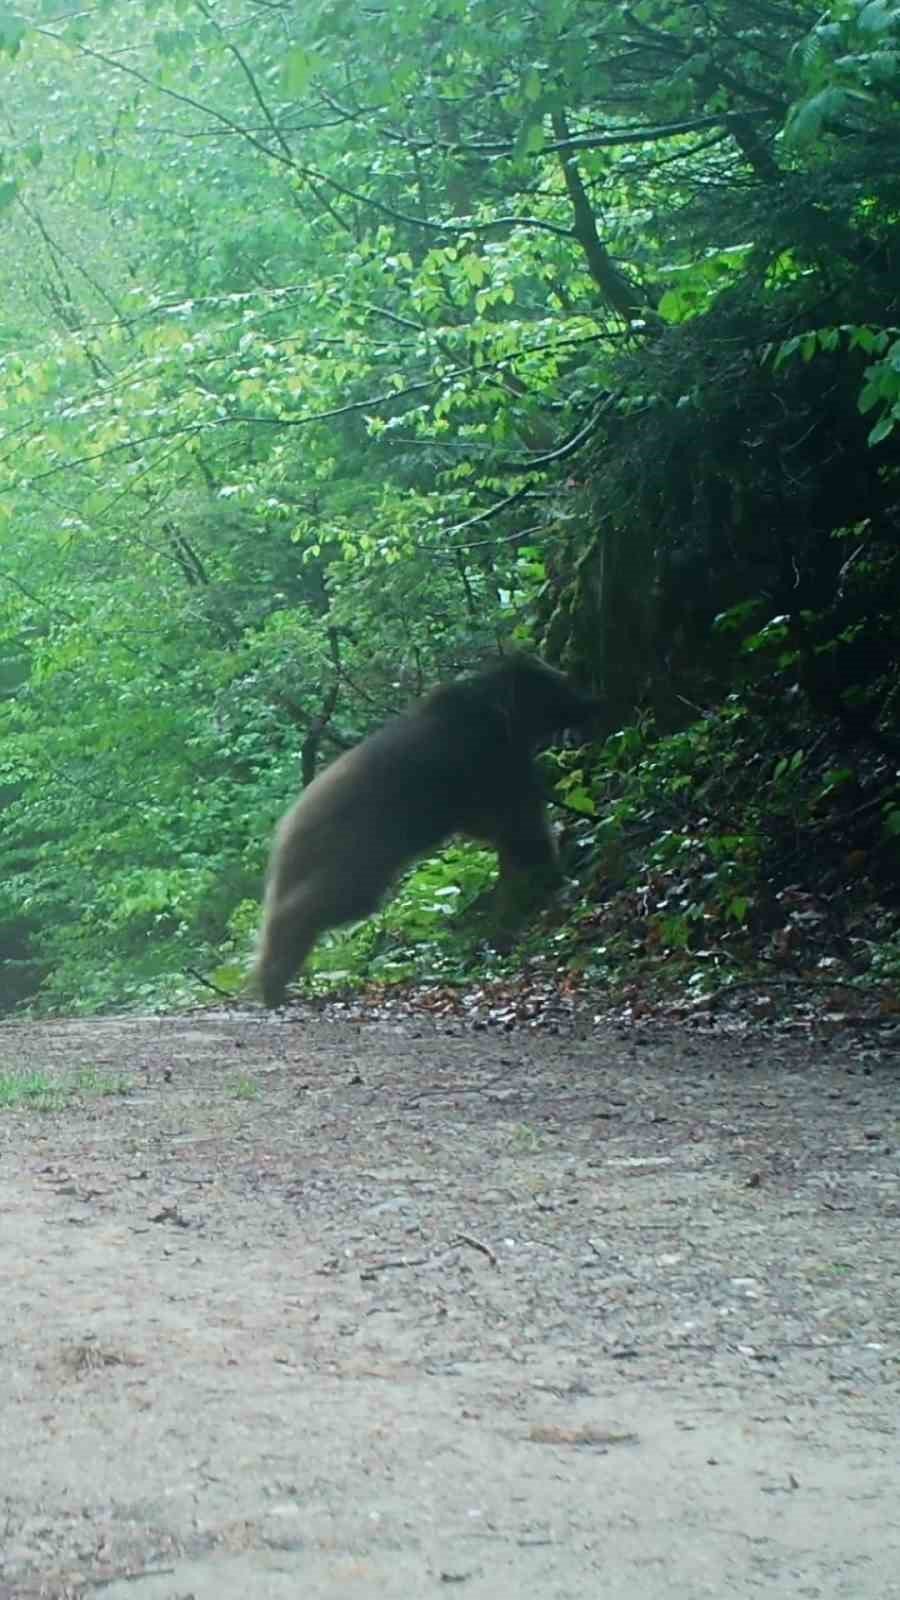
(749, 843)
(741, 846)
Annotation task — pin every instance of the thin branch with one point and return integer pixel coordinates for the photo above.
(309, 749)
(171, 94)
(108, 450)
(608, 138)
(493, 511)
(250, 76)
(56, 249)
(309, 173)
(226, 994)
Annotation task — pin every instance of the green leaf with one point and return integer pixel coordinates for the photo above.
(891, 817)
(737, 908)
(869, 396)
(883, 427)
(582, 801)
(474, 269)
(862, 338)
(807, 120)
(876, 17)
(229, 976)
(299, 66)
(531, 140)
(674, 307)
(835, 777)
(13, 29)
(173, 43)
(8, 192)
(786, 349)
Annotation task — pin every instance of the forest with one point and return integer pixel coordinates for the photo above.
(343, 346)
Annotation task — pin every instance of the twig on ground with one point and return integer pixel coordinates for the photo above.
(476, 1244)
(208, 983)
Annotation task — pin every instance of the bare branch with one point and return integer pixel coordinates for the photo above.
(619, 292)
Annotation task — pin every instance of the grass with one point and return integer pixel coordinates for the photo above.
(37, 1091)
(246, 1089)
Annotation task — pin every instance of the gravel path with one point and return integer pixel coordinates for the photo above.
(314, 1309)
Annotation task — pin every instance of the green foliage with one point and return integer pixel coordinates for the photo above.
(574, 325)
(695, 286)
(12, 31)
(422, 932)
(716, 851)
(881, 385)
(850, 69)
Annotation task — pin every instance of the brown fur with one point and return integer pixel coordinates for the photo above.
(459, 761)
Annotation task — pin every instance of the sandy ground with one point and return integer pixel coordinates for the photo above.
(311, 1309)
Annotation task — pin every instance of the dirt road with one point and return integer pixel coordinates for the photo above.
(308, 1309)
